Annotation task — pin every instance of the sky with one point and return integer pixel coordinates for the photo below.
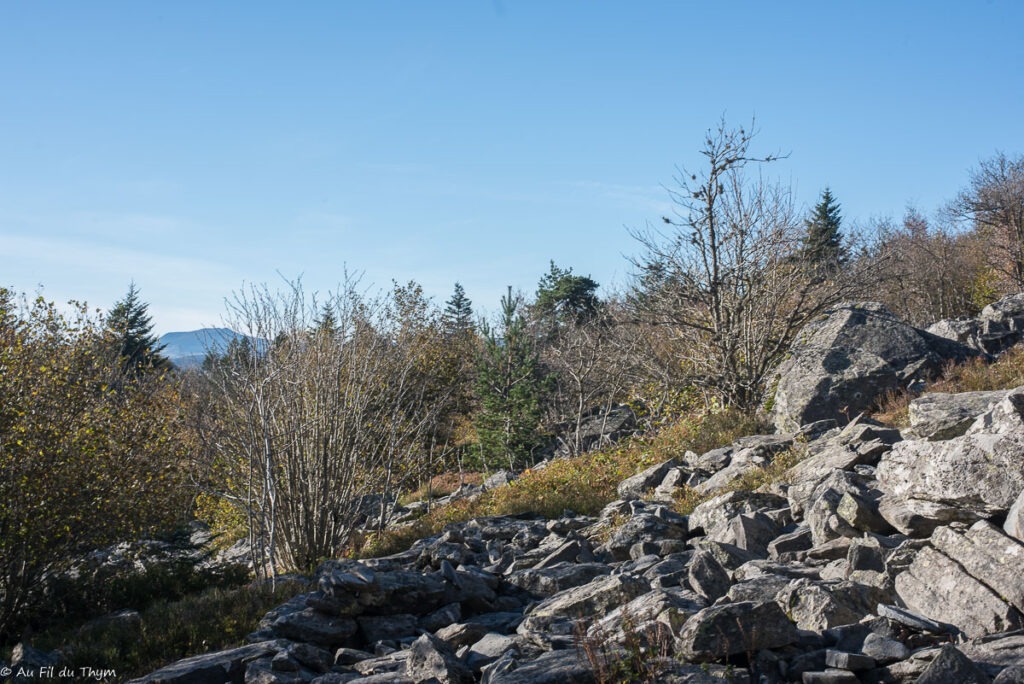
(196, 147)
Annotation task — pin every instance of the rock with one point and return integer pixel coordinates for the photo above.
(488, 649)
(548, 581)
(553, 667)
(1014, 524)
(310, 657)
(715, 514)
(861, 512)
(314, 627)
(638, 485)
(596, 598)
(402, 591)
(819, 606)
(919, 518)
(937, 416)
(644, 527)
(787, 545)
(939, 588)
(883, 649)
(950, 666)
(989, 556)
(830, 677)
(996, 653)
(499, 479)
(981, 473)
(754, 532)
(841, 363)
(848, 661)
(212, 668)
(433, 661)
(442, 617)
(735, 628)
(961, 330)
(1011, 675)
(707, 577)
(387, 627)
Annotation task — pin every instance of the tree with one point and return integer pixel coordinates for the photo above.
(823, 247)
(458, 312)
(562, 296)
(511, 388)
(298, 435)
(993, 203)
(132, 329)
(86, 459)
(725, 276)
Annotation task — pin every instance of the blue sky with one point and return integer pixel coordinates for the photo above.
(194, 147)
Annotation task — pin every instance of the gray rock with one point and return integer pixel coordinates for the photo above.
(937, 416)
(961, 330)
(316, 628)
(1011, 675)
(636, 486)
(715, 514)
(754, 532)
(1014, 524)
(843, 362)
(861, 513)
(596, 598)
(735, 628)
(822, 605)
(442, 617)
(385, 627)
(989, 556)
(432, 661)
(997, 652)
(981, 473)
(830, 677)
(883, 649)
(848, 661)
(707, 577)
(548, 581)
(212, 668)
(488, 649)
(939, 588)
(554, 667)
(919, 518)
(644, 527)
(786, 546)
(950, 666)
(499, 479)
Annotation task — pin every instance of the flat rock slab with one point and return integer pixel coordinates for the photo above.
(937, 415)
(989, 555)
(939, 588)
(213, 668)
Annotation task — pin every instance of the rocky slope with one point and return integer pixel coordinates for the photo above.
(882, 556)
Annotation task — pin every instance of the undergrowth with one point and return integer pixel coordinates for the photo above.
(582, 484)
(212, 620)
(977, 375)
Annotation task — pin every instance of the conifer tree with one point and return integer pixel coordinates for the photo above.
(458, 312)
(131, 327)
(562, 296)
(823, 244)
(511, 388)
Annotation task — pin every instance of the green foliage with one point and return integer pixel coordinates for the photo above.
(212, 620)
(823, 245)
(131, 327)
(511, 388)
(562, 296)
(458, 313)
(87, 457)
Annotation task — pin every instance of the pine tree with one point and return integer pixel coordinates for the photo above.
(562, 296)
(823, 244)
(511, 389)
(458, 312)
(131, 328)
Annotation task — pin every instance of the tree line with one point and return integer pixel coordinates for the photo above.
(327, 405)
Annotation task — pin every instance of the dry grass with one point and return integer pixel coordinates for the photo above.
(442, 485)
(583, 484)
(1006, 372)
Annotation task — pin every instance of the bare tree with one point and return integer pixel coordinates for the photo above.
(313, 417)
(725, 276)
(993, 203)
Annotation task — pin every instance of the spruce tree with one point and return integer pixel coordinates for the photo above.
(511, 389)
(823, 244)
(131, 329)
(458, 312)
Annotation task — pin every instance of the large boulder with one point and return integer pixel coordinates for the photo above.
(735, 628)
(980, 474)
(844, 361)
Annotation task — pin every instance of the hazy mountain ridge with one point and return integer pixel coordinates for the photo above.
(188, 349)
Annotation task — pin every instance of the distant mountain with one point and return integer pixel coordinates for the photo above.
(188, 349)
